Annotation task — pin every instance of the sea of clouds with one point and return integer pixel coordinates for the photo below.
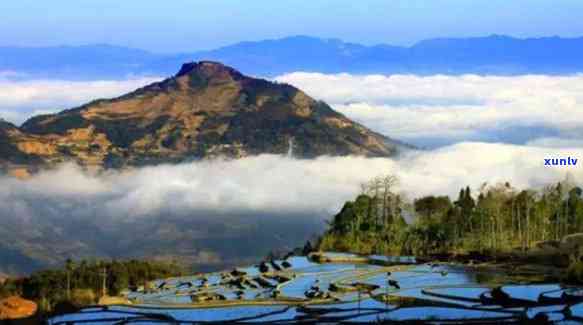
(270, 184)
(441, 110)
(479, 129)
(20, 100)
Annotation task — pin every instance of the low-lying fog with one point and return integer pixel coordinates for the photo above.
(227, 212)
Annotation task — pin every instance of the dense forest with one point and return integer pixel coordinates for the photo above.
(83, 283)
(495, 218)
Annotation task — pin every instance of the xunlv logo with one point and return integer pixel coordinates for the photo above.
(561, 161)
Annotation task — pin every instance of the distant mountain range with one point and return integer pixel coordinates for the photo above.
(500, 55)
(206, 110)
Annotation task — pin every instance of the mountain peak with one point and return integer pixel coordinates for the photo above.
(208, 69)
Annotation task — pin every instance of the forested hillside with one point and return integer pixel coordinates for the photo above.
(497, 217)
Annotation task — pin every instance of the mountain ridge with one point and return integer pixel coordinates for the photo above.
(493, 54)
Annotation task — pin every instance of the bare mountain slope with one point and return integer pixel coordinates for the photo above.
(206, 110)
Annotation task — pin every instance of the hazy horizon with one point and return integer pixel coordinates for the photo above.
(183, 26)
(291, 36)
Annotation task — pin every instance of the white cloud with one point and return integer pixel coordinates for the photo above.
(20, 100)
(454, 108)
(446, 170)
(275, 184)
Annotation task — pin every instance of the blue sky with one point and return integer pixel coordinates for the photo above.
(185, 25)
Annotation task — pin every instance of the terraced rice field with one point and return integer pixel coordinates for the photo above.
(337, 291)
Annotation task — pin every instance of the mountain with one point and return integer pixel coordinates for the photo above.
(498, 54)
(206, 110)
(10, 154)
(76, 62)
(495, 54)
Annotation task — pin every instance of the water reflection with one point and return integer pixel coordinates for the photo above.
(342, 288)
